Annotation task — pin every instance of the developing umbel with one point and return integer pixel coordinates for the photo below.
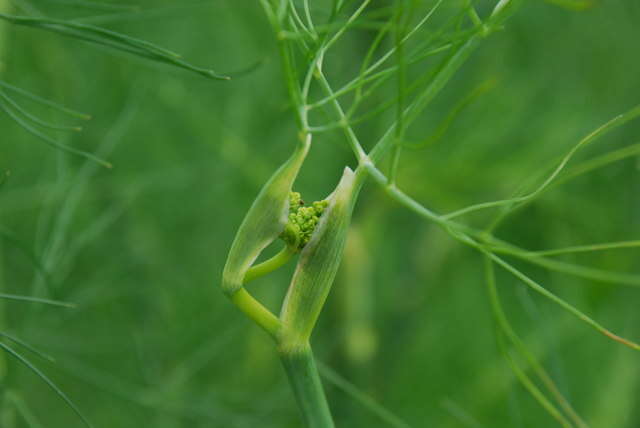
(302, 220)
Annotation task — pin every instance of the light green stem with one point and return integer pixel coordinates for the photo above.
(256, 311)
(270, 265)
(305, 381)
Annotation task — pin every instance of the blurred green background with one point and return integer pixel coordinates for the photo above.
(140, 248)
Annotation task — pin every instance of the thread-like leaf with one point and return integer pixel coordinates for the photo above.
(507, 330)
(48, 381)
(28, 347)
(44, 101)
(560, 302)
(37, 300)
(115, 40)
(33, 118)
(511, 202)
(377, 409)
(27, 127)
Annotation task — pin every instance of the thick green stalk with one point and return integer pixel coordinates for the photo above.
(310, 285)
(304, 378)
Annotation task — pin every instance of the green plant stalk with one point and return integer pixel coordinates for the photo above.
(303, 376)
(270, 265)
(296, 356)
(256, 312)
(310, 285)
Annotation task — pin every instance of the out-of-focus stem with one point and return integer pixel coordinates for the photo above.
(357, 305)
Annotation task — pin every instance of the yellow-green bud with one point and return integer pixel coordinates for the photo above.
(302, 221)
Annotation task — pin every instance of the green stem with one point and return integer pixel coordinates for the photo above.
(305, 381)
(249, 305)
(270, 265)
(256, 312)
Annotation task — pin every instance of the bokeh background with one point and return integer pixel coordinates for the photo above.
(140, 248)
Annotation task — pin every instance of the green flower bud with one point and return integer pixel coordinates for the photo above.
(319, 206)
(295, 201)
(302, 221)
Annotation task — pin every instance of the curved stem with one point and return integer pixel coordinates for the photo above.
(270, 265)
(249, 305)
(257, 312)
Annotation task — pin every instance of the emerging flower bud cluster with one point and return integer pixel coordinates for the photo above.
(302, 220)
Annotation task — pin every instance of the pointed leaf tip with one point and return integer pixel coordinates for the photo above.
(263, 223)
